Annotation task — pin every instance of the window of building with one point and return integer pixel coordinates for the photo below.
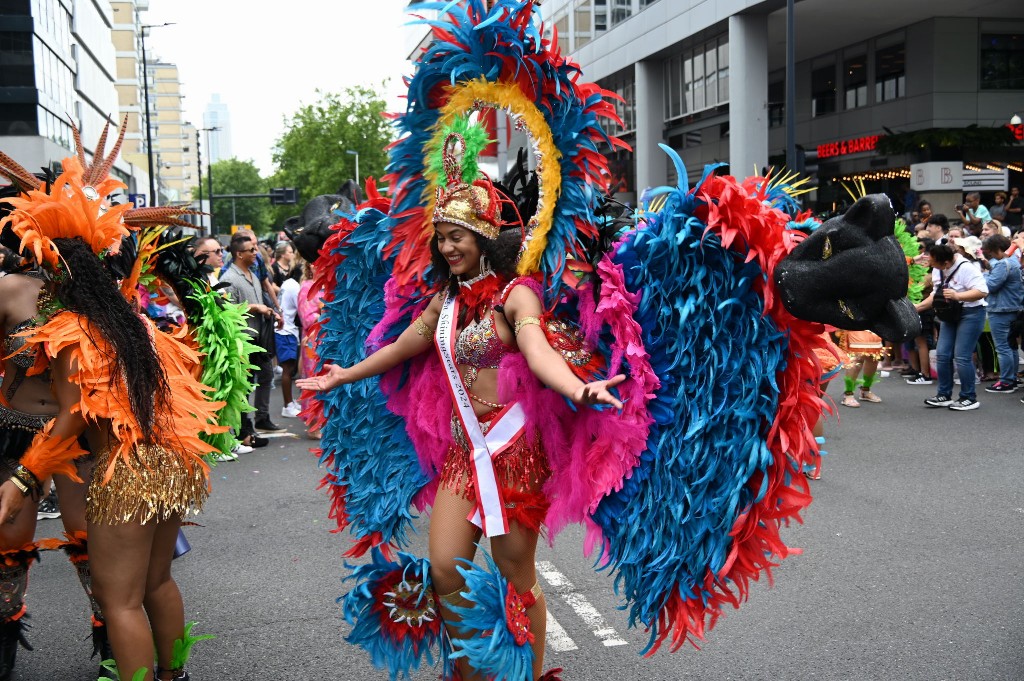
(823, 90)
(776, 102)
(855, 81)
(710, 74)
(674, 87)
(16, 64)
(890, 73)
(584, 23)
(626, 109)
(697, 78)
(621, 10)
(600, 16)
(18, 119)
(14, 8)
(723, 70)
(562, 29)
(646, 3)
(1002, 61)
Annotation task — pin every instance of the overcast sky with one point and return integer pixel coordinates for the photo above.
(265, 59)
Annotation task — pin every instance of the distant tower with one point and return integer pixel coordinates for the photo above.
(218, 116)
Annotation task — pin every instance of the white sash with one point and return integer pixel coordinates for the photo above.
(489, 514)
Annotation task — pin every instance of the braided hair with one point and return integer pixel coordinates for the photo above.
(87, 289)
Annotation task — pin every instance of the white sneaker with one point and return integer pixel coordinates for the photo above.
(241, 449)
(290, 411)
(222, 458)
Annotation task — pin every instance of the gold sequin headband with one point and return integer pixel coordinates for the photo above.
(475, 206)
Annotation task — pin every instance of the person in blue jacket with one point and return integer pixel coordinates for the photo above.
(1005, 301)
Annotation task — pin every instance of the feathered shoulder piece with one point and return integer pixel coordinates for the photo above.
(486, 59)
(104, 393)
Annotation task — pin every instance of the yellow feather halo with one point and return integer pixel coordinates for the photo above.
(508, 98)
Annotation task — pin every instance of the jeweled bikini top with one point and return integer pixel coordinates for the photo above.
(479, 345)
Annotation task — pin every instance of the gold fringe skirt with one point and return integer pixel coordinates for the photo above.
(159, 485)
(858, 344)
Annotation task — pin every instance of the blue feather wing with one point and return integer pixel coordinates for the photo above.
(668, 528)
(365, 447)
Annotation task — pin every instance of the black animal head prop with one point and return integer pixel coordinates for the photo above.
(851, 273)
(309, 231)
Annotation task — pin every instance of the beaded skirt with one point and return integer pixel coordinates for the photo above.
(158, 485)
(521, 471)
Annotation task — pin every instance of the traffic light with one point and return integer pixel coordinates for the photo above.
(284, 196)
(807, 163)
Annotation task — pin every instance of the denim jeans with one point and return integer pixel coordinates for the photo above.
(956, 344)
(999, 323)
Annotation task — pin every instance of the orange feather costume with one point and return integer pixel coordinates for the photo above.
(133, 480)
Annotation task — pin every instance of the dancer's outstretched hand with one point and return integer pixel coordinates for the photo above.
(598, 392)
(334, 376)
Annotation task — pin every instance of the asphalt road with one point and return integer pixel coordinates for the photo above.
(912, 568)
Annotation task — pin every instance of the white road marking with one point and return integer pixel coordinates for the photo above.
(558, 640)
(578, 602)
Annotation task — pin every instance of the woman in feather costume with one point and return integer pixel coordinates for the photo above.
(682, 486)
(113, 374)
(26, 405)
(488, 484)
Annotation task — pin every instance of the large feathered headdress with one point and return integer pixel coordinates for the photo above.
(511, 69)
(76, 205)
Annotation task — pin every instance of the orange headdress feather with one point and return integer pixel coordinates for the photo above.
(65, 213)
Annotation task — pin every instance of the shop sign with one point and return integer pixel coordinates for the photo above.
(937, 176)
(853, 146)
(986, 180)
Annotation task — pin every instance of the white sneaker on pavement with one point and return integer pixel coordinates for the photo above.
(291, 411)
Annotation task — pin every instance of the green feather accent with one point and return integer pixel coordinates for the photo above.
(476, 141)
(111, 668)
(183, 646)
(911, 248)
(223, 338)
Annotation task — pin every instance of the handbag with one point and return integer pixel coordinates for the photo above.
(947, 310)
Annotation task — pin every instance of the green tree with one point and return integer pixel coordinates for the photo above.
(311, 155)
(232, 176)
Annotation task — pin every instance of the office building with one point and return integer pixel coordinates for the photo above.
(708, 79)
(57, 59)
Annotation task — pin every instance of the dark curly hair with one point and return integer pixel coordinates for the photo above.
(502, 253)
(87, 289)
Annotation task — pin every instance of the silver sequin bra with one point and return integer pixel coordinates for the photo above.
(480, 346)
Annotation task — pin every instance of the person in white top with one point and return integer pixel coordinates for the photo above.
(288, 345)
(958, 297)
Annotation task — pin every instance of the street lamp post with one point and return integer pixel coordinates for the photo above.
(356, 154)
(791, 162)
(149, 123)
(199, 168)
(209, 174)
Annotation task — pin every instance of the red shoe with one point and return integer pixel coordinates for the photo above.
(552, 675)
